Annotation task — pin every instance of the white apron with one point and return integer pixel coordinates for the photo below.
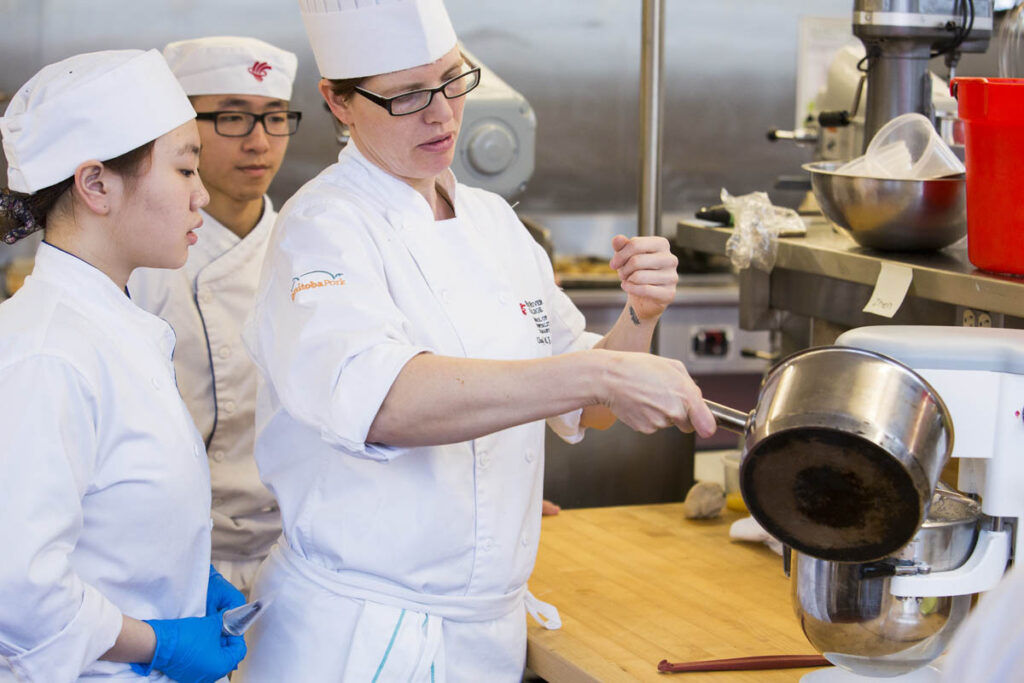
(359, 278)
(104, 488)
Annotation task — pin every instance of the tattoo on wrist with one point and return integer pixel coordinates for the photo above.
(633, 317)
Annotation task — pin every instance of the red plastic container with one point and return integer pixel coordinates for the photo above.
(993, 113)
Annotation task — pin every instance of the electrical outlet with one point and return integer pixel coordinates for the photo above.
(972, 317)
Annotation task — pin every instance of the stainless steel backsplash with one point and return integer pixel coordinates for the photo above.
(730, 73)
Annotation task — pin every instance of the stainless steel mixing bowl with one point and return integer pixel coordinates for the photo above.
(848, 614)
(894, 215)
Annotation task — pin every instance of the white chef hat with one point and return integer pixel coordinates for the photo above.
(358, 38)
(97, 105)
(221, 65)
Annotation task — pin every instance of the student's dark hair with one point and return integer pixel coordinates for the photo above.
(22, 214)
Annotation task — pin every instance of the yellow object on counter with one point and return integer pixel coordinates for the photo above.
(734, 501)
(17, 271)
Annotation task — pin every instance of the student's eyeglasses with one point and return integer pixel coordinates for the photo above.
(238, 124)
(418, 100)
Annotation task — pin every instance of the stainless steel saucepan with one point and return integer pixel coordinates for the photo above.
(842, 452)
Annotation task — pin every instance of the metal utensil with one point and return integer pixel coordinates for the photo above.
(237, 621)
(894, 215)
(848, 612)
(841, 452)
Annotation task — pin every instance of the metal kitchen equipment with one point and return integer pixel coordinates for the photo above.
(848, 612)
(890, 214)
(496, 144)
(841, 453)
(900, 36)
(980, 374)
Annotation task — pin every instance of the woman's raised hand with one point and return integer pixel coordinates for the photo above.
(647, 269)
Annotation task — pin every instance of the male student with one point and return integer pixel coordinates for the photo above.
(240, 88)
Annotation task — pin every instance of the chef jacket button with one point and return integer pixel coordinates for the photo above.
(224, 352)
(156, 382)
(529, 455)
(195, 450)
(211, 522)
(524, 541)
(486, 545)
(446, 296)
(503, 297)
(218, 456)
(484, 459)
(229, 406)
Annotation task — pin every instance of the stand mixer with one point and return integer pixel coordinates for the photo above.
(893, 77)
(900, 36)
(979, 373)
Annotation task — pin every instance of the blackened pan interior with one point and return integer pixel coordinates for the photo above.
(830, 494)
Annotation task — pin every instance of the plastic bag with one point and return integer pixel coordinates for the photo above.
(757, 227)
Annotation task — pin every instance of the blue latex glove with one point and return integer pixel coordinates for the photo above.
(192, 650)
(221, 594)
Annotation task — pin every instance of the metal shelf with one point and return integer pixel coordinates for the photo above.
(945, 276)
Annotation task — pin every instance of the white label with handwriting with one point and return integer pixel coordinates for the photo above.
(890, 290)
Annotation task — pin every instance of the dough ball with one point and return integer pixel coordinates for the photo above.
(704, 500)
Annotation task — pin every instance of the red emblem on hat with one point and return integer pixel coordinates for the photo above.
(259, 70)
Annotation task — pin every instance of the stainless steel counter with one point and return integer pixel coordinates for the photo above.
(825, 279)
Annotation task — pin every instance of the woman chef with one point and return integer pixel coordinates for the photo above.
(103, 477)
(413, 341)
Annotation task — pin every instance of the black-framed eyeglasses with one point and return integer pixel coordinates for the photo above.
(418, 100)
(238, 124)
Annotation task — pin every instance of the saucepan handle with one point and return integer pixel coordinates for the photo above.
(728, 418)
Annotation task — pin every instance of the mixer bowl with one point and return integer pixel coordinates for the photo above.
(888, 214)
(848, 613)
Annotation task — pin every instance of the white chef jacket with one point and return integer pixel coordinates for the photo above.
(206, 301)
(359, 278)
(104, 487)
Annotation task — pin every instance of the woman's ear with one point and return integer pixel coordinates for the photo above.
(94, 186)
(338, 106)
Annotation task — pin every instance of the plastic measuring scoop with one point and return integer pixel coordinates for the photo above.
(238, 620)
(908, 147)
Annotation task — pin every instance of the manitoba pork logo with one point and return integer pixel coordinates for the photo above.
(315, 279)
(259, 70)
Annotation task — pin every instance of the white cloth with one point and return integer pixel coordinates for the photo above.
(989, 648)
(232, 65)
(356, 38)
(747, 529)
(103, 478)
(97, 105)
(206, 302)
(359, 278)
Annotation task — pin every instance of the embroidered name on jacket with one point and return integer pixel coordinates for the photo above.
(535, 308)
(315, 279)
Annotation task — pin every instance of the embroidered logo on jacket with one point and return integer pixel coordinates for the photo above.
(259, 70)
(535, 308)
(315, 279)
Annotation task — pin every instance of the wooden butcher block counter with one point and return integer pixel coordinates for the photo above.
(635, 585)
